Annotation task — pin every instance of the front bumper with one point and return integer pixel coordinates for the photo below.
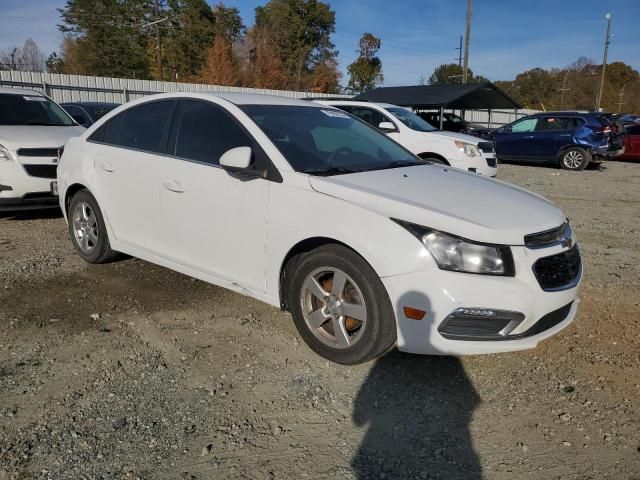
(20, 191)
(440, 293)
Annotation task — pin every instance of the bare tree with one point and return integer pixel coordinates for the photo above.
(28, 58)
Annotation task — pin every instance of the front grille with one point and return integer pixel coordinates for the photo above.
(42, 171)
(486, 147)
(38, 152)
(492, 162)
(558, 271)
(548, 237)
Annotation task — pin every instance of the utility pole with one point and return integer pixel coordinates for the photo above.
(460, 53)
(465, 68)
(158, 45)
(607, 41)
(564, 88)
(620, 97)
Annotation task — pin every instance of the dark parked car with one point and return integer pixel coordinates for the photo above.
(87, 113)
(454, 123)
(572, 139)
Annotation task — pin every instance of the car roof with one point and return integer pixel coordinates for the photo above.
(568, 113)
(355, 103)
(92, 104)
(235, 98)
(19, 91)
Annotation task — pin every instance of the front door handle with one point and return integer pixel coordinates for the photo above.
(106, 166)
(174, 186)
(529, 136)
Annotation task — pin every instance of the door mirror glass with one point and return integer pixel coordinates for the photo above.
(387, 127)
(237, 159)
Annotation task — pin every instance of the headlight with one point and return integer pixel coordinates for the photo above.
(4, 154)
(468, 148)
(461, 255)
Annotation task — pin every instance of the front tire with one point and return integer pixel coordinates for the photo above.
(340, 306)
(575, 158)
(87, 229)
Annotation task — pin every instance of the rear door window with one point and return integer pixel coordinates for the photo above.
(143, 127)
(550, 124)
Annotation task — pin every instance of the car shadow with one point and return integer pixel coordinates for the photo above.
(35, 214)
(594, 165)
(417, 410)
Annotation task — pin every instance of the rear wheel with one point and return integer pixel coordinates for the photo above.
(575, 158)
(340, 306)
(87, 229)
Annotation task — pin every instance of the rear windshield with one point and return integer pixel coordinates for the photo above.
(31, 110)
(99, 111)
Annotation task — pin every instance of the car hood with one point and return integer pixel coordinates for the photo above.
(449, 200)
(457, 136)
(14, 137)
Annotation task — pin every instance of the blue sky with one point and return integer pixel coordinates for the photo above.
(507, 37)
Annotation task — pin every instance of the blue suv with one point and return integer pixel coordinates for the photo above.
(571, 139)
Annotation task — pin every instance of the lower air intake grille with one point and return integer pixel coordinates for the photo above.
(42, 171)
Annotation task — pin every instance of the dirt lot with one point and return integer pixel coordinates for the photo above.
(129, 370)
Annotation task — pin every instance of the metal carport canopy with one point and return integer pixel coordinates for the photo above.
(470, 96)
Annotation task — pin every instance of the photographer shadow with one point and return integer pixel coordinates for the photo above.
(417, 409)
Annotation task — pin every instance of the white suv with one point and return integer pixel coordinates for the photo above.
(33, 128)
(415, 134)
(307, 208)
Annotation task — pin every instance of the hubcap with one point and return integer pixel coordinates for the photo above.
(573, 159)
(85, 227)
(333, 307)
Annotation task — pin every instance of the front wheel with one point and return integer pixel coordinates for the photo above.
(340, 306)
(575, 158)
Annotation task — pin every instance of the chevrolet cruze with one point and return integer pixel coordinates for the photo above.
(309, 209)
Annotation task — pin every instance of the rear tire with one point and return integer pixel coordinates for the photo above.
(87, 229)
(340, 306)
(575, 158)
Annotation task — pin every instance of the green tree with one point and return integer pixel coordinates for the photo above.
(301, 31)
(109, 37)
(55, 64)
(190, 32)
(366, 71)
(228, 23)
(452, 73)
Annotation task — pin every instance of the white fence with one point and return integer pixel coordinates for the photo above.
(80, 88)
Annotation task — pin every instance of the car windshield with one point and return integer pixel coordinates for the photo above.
(411, 120)
(31, 109)
(326, 141)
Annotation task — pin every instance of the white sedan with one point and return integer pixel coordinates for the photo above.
(308, 209)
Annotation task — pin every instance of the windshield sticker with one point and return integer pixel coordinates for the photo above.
(34, 98)
(335, 113)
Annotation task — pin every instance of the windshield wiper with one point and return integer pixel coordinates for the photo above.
(332, 171)
(47, 124)
(400, 164)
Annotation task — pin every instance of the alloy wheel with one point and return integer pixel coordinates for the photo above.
(85, 227)
(333, 307)
(573, 159)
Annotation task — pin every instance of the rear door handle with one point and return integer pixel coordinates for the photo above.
(106, 166)
(174, 186)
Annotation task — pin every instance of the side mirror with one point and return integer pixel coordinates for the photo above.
(387, 127)
(236, 160)
(500, 130)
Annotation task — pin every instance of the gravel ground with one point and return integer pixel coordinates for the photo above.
(129, 370)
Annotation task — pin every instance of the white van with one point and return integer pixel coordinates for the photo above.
(415, 134)
(33, 129)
